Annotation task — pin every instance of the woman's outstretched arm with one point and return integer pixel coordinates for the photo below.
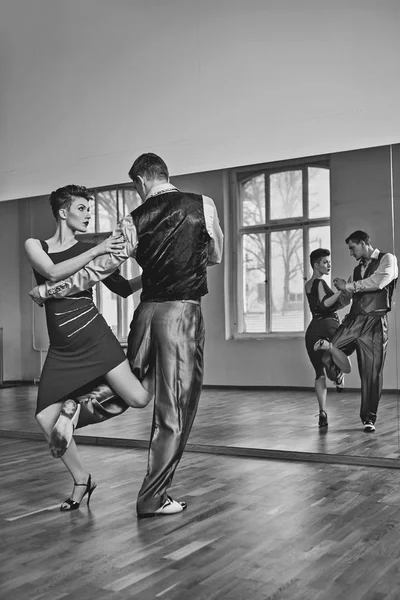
(43, 264)
(327, 301)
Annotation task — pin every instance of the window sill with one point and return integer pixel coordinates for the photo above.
(267, 336)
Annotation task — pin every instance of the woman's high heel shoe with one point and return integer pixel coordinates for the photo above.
(323, 419)
(69, 504)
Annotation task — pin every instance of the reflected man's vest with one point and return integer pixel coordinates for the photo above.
(376, 302)
(172, 246)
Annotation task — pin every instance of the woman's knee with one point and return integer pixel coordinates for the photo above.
(140, 399)
(43, 424)
(45, 421)
(320, 386)
(40, 419)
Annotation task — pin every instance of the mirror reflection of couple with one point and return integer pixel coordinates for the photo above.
(363, 330)
(174, 236)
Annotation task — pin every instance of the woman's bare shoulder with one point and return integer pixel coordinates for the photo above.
(32, 243)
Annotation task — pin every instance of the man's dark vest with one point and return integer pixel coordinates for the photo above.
(172, 246)
(377, 302)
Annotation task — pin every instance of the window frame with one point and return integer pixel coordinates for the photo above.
(98, 236)
(237, 230)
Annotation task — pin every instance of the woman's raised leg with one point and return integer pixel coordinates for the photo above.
(126, 385)
(340, 359)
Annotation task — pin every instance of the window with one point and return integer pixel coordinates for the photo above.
(110, 206)
(282, 215)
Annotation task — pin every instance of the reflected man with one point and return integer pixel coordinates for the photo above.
(365, 328)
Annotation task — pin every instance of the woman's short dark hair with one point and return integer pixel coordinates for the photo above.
(64, 196)
(150, 166)
(317, 254)
(357, 237)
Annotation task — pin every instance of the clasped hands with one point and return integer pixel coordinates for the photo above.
(340, 284)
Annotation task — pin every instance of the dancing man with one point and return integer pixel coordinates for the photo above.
(365, 328)
(174, 236)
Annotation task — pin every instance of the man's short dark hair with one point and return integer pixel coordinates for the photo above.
(64, 196)
(357, 237)
(150, 166)
(317, 255)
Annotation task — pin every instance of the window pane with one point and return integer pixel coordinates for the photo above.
(129, 269)
(286, 283)
(253, 201)
(254, 308)
(318, 192)
(286, 194)
(92, 223)
(109, 308)
(107, 210)
(128, 201)
(320, 237)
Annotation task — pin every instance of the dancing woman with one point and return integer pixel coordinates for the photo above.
(323, 303)
(83, 350)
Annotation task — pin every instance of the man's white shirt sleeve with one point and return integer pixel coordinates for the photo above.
(386, 272)
(214, 230)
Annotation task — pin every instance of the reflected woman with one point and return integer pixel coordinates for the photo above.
(324, 303)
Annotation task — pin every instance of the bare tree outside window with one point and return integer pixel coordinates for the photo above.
(253, 201)
(286, 194)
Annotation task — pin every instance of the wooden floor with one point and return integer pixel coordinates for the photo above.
(254, 529)
(234, 419)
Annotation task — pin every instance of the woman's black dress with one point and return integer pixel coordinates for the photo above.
(324, 323)
(82, 346)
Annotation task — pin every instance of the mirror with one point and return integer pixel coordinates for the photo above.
(258, 394)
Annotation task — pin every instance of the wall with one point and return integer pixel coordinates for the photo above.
(207, 84)
(35, 220)
(395, 321)
(10, 316)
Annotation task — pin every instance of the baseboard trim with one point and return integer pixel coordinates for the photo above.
(285, 388)
(236, 451)
(19, 382)
(266, 388)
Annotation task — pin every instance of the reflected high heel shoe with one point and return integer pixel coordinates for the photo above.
(322, 344)
(339, 382)
(69, 504)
